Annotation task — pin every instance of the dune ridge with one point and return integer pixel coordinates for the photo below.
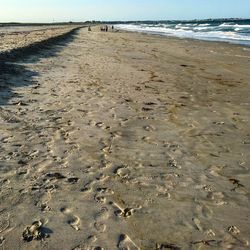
(14, 48)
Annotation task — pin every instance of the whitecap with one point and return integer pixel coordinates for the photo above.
(211, 33)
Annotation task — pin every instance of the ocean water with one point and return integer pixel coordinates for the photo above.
(232, 31)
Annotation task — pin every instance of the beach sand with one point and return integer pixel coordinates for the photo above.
(20, 37)
(126, 141)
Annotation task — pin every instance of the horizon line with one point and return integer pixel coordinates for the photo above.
(145, 20)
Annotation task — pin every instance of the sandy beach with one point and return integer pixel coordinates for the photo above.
(125, 141)
(21, 37)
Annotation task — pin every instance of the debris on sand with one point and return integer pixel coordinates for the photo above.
(34, 232)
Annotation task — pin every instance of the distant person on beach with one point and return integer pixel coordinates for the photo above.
(112, 27)
(103, 28)
(89, 28)
(106, 28)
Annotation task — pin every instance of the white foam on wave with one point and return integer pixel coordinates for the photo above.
(233, 25)
(181, 31)
(204, 25)
(201, 28)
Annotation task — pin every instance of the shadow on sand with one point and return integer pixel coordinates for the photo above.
(14, 74)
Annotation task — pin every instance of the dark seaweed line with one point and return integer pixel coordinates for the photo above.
(18, 53)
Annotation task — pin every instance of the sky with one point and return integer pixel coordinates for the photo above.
(122, 10)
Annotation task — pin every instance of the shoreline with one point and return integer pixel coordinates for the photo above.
(8, 54)
(186, 38)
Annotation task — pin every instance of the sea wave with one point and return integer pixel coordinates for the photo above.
(235, 25)
(228, 32)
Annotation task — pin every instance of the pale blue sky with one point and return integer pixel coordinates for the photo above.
(82, 10)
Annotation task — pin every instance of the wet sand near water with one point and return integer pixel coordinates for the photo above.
(126, 141)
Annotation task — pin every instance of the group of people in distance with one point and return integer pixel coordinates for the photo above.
(106, 28)
(103, 28)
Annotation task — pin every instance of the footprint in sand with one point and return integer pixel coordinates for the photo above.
(86, 190)
(72, 180)
(204, 211)
(100, 217)
(215, 170)
(100, 227)
(87, 243)
(99, 124)
(173, 164)
(104, 190)
(163, 192)
(45, 208)
(103, 214)
(217, 198)
(122, 171)
(72, 220)
(36, 231)
(2, 240)
(233, 230)
(99, 198)
(125, 243)
(4, 222)
(197, 224)
(102, 177)
(167, 246)
(87, 187)
(149, 128)
(55, 175)
(126, 212)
